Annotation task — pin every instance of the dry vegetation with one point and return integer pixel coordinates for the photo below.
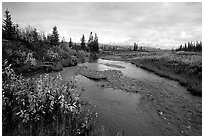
(184, 67)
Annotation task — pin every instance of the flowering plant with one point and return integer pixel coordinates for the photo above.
(45, 104)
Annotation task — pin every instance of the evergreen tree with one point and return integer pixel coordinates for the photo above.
(200, 47)
(135, 47)
(17, 33)
(83, 42)
(55, 37)
(93, 43)
(180, 48)
(140, 48)
(90, 42)
(191, 46)
(96, 45)
(35, 35)
(90, 38)
(75, 47)
(30, 35)
(185, 47)
(70, 43)
(8, 29)
(49, 39)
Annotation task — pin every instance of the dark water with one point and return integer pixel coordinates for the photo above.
(118, 110)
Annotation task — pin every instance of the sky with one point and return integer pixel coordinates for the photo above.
(155, 24)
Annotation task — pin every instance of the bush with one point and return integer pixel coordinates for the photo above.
(83, 56)
(43, 106)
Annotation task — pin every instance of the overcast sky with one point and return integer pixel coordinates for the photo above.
(163, 25)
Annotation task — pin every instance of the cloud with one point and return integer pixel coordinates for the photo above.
(156, 24)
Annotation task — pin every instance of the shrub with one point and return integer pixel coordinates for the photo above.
(52, 56)
(30, 60)
(42, 106)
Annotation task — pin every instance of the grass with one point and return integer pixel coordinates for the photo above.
(43, 106)
(184, 67)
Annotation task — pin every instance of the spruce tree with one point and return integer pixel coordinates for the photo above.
(83, 42)
(135, 47)
(90, 38)
(17, 32)
(35, 35)
(76, 47)
(8, 29)
(93, 44)
(185, 47)
(55, 37)
(180, 48)
(96, 45)
(90, 42)
(70, 43)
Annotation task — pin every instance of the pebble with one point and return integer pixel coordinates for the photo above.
(161, 113)
(188, 127)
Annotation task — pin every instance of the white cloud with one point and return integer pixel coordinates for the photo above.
(64, 34)
(158, 24)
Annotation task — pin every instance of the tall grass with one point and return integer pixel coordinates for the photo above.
(186, 68)
(42, 106)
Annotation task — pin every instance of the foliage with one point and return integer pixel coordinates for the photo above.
(43, 48)
(14, 53)
(30, 59)
(42, 106)
(82, 56)
(52, 55)
(28, 34)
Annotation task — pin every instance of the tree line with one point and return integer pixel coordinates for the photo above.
(12, 31)
(136, 47)
(191, 46)
(91, 46)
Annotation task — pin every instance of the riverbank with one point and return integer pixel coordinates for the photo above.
(184, 67)
(173, 111)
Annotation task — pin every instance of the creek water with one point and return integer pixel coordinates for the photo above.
(119, 110)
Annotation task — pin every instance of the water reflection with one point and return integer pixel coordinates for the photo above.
(116, 108)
